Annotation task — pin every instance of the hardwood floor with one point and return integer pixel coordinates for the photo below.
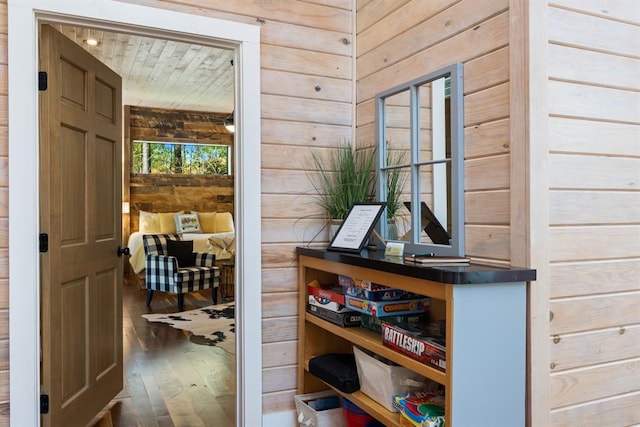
(169, 380)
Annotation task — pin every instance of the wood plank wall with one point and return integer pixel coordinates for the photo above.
(402, 40)
(594, 224)
(173, 193)
(4, 219)
(307, 100)
(306, 80)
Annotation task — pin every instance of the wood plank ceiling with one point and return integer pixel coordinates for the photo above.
(163, 73)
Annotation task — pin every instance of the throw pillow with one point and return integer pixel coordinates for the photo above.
(149, 222)
(183, 251)
(207, 221)
(187, 223)
(224, 222)
(168, 222)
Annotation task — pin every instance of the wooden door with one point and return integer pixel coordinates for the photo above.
(80, 210)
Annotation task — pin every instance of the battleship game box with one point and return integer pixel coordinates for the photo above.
(428, 350)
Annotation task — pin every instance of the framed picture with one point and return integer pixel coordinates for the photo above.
(356, 227)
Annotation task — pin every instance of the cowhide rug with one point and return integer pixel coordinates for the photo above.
(213, 325)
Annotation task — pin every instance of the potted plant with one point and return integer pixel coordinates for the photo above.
(345, 178)
(396, 182)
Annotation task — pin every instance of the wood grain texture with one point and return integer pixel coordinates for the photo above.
(279, 353)
(593, 207)
(579, 314)
(279, 280)
(573, 28)
(593, 175)
(581, 243)
(170, 380)
(578, 100)
(281, 378)
(594, 68)
(594, 347)
(594, 277)
(485, 38)
(586, 137)
(279, 401)
(584, 385)
(490, 138)
(279, 329)
(620, 410)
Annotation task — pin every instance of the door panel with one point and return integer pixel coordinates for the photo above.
(80, 209)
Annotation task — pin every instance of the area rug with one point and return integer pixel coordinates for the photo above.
(213, 325)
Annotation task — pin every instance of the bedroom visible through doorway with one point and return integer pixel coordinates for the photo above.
(23, 172)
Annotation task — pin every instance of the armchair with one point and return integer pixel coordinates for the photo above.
(163, 272)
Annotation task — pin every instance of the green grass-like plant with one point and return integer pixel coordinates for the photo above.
(396, 181)
(347, 178)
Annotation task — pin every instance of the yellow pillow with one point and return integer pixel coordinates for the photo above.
(167, 222)
(224, 222)
(207, 221)
(149, 222)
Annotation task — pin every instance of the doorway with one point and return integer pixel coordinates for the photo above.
(24, 18)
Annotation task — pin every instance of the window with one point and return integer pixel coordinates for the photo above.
(420, 162)
(151, 157)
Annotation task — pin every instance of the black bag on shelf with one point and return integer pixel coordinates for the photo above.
(336, 369)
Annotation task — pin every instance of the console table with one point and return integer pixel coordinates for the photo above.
(484, 309)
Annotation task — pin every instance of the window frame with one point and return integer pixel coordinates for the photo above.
(456, 130)
(229, 149)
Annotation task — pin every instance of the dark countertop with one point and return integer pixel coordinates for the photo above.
(468, 274)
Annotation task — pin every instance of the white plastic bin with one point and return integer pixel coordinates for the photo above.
(321, 409)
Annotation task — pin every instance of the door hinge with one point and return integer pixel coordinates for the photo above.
(44, 242)
(42, 80)
(44, 403)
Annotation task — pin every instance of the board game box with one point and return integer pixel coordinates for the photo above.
(388, 308)
(375, 323)
(346, 319)
(328, 304)
(428, 350)
(333, 294)
(387, 294)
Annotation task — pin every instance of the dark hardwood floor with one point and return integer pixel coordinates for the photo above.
(169, 380)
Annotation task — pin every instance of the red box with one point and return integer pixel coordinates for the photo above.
(427, 350)
(335, 294)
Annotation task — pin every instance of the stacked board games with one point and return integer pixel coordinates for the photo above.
(381, 301)
(329, 304)
(402, 319)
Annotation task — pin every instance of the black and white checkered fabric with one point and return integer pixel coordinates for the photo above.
(162, 272)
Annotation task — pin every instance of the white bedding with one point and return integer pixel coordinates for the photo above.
(220, 244)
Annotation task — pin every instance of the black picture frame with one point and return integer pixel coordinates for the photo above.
(353, 234)
(436, 232)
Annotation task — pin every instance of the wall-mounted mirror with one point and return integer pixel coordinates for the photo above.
(420, 162)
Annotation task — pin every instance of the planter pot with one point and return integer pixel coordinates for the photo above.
(334, 225)
(392, 229)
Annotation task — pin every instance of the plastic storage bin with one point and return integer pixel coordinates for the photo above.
(321, 409)
(381, 381)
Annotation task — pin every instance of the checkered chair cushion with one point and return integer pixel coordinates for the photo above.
(163, 274)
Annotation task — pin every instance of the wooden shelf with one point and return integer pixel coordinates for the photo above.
(370, 340)
(370, 406)
(485, 324)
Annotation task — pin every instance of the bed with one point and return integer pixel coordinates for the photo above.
(211, 232)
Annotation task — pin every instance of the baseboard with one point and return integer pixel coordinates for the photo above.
(280, 419)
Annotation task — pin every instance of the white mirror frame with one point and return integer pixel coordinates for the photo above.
(24, 295)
